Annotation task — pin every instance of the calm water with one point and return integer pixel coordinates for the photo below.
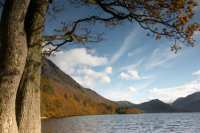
(143, 123)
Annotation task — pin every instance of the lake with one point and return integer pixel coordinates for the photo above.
(141, 123)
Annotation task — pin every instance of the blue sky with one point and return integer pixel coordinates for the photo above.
(127, 64)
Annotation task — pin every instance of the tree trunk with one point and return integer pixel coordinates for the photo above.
(13, 54)
(28, 95)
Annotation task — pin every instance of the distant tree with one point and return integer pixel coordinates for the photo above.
(22, 23)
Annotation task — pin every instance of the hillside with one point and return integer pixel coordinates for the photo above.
(189, 103)
(63, 96)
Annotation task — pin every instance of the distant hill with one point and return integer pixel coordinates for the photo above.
(153, 106)
(63, 96)
(125, 104)
(156, 106)
(189, 103)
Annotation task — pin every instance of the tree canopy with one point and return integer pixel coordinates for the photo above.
(162, 18)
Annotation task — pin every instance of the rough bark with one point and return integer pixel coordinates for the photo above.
(13, 54)
(28, 95)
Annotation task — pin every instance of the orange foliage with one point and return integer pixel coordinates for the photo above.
(70, 101)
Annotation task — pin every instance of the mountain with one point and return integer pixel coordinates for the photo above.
(189, 103)
(62, 96)
(156, 106)
(153, 106)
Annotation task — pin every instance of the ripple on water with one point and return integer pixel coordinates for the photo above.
(142, 123)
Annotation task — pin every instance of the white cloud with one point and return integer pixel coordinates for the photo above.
(79, 63)
(130, 75)
(78, 56)
(130, 72)
(132, 89)
(108, 69)
(133, 74)
(160, 57)
(172, 93)
(125, 46)
(197, 73)
(88, 77)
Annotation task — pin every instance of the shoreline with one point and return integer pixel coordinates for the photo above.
(45, 118)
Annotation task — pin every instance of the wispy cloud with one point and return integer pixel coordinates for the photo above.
(160, 57)
(128, 41)
(132, 66)
(137, 51)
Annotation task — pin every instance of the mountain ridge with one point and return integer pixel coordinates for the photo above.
(190, 103)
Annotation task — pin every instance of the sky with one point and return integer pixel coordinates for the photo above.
(127, 64)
